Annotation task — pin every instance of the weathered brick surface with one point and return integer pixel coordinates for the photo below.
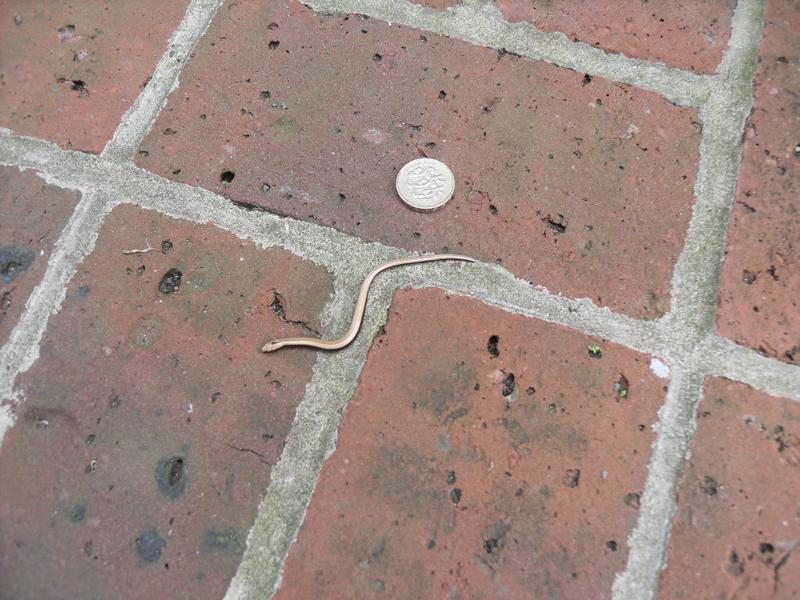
(70, 70)
(33, 214)
(151, 420)
(689, 34)
(737, 528)
(761, 272)
(470, 466)
(577, 184)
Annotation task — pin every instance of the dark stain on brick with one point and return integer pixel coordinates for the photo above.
(77, 513)
(171, 476)
(14, 260)
(149, 546)
(166, 247)
(84, 290)
(735, 564)
(451, 477)
(226, 540)
(494, 538)
(455, 495)
(170, 282)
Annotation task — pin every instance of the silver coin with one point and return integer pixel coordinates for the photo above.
(425, 184)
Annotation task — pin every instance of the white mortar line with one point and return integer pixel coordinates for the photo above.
(649, 540)
(695, 287)
(351, 256)
(140, 117)
(22, 347)
(482, 24)
(311, 440)
(725, 358)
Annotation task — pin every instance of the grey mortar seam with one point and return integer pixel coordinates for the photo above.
(344, 254)
(482, 24)
(695, 288)
(139, 118)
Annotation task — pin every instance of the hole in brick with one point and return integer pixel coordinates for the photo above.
(709, 486)
(265, 95)
(227, 176)
(633, 500)
(621, 386)
(170, 476)
(455, 495)
(272, 26)
(530, 391)
(557, 223)
(170, 282)
(274, 44)
(749, 277)
(377, 57)
(493, 209)
(491, 346)
(451, 477)
(442, 94)
(509, 384)
(166, 247)
(766, 548)
(78, 85)
(587, 79)
(611, 545)
(169, 131)
(572, 478)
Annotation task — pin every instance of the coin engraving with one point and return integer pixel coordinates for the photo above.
(425, 184)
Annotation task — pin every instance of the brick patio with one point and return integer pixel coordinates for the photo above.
(605, 405)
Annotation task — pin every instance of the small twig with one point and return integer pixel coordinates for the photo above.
(142, 251)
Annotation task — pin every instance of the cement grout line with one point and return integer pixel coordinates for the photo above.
(482, 24)
(345, 254)
(725, 358)
(311, 440)
(695, 281)
(22, 347)
(649, 540)
(139, 118)
(695, 287)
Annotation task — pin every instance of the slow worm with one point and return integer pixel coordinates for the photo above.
(361, 305)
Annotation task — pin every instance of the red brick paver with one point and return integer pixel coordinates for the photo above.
(761, 272)
(151, 419)
(69, 71)
(577, 184)
(738, 522)
(689, 34)
(33, 214)
(475, 466)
